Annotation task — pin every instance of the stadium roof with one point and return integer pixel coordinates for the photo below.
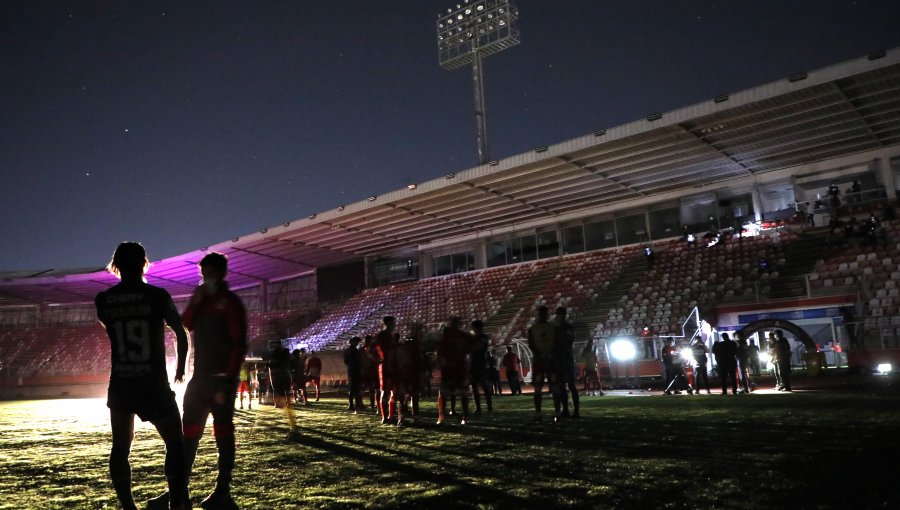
(843, 109)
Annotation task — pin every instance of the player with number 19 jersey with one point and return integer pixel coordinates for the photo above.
(135, 315)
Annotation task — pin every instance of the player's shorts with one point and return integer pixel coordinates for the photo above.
(542, 369)
(147, 401)
(314, 379)
(281, 385)
(199, 401)
(565, 370)
(243, 387)
(454, 381)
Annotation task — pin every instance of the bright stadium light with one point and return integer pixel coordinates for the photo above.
(469, 33)
(885, 368)
(622, 350)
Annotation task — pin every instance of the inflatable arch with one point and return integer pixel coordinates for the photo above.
(769, 324)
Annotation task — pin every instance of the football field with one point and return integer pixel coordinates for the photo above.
(833, 447)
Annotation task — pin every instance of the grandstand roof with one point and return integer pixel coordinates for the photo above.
(839, 110)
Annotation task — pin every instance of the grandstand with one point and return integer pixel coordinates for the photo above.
(561, 225)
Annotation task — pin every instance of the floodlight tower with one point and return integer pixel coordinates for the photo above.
(474, 30)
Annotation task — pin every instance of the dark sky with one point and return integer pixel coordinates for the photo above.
(185, 124)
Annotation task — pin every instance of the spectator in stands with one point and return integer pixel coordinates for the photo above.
(742, 354)
(783, 359)
(218, 320)
(564, 360)
(451, 356)
(279, 367)
(353, 361)
(700, 352)
(409, 373)
(298, 375)
(853, 191)
(385, 344)
(591, 379)
(478, 363)
(513, 369)
(138, 382)
(834, 192)
(687, 235)
(248, 373)
(542, 341)
(314, 371)
(650, 256)
(725, 352)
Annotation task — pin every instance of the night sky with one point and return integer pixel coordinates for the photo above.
(185, 124)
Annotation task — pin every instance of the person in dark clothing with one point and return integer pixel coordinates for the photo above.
(783, 359)
(725, 352)
(138, 381)
(218, 320)
(565, 364)
(353, 360)
(512, 365)
(701, 356)
(743, 363)
(668, 358)
(478, 366)
(753, 350)
(494, 374)
(279, 367)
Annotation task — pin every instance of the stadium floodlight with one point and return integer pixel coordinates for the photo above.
(465, 35)
(885, 368)
(623, 350)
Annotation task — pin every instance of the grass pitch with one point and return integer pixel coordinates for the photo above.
(829, 448)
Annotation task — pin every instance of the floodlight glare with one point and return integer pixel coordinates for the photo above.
(622, 350)
(764, 357)
(686, 353)
(884, 368)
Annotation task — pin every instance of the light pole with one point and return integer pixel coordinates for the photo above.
(474, 30)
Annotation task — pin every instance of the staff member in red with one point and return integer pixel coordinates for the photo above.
(218, 321)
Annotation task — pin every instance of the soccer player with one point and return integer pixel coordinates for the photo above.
(245, 378)
(313, 371)
(513, 369)
(384, 345)
(369, 371)
(298, 375)
(218, 320)
(564, 359)
(280, 375)
(479, 365)
(542, 340)
(591, 378)
(409, 372)
(353, 360)
(135, 315)
(451, 357)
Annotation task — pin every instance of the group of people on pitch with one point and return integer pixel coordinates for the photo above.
(135, 315)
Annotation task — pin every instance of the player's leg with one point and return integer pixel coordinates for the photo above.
(538, 382)
(475, 383)
(573, 389)
(119, 468)
(316, 384)
(170, 430)
(223, 431)
(486, 386)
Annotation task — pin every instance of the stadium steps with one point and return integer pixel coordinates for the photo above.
(800, 259)
(612, 295)
(510, 311)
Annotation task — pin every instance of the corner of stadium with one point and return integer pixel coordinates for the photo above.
(598, 224)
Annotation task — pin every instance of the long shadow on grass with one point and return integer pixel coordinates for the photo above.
(473, 494)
